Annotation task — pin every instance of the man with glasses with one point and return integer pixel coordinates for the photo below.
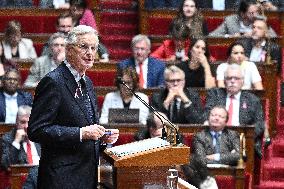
(244, 108)
(150, 70)
(180, 104)
(11, 97)
(64, 25)
(64, 118)
(47, 63)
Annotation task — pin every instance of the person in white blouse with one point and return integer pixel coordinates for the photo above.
(14, 45)
(236, 55)
(123, 98)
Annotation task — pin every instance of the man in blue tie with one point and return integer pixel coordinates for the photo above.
(217, 144)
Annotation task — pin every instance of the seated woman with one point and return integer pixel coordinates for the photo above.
(176, 48)
(189, 15)
(123, 98)
(81, 14)
(197, 69)
(236, 55)
(13, 45)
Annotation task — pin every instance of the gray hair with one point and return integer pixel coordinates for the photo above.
(55, 36)
(171, 70)
(136, 39)
(80, 30)
(234, 67)
(24, 110)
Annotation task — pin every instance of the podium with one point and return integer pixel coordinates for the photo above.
(148, 165)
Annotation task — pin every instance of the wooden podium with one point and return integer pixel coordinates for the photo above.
(149, 167)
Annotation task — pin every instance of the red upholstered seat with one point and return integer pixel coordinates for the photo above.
(275, 24)
(187, 139)
(218, 52)
(4, 180)
(38, 48)
(100, 102)
(163, 24)
(225, 182)
(124, 138)
(31, 24)
(102, 78)
(213, 23)
(24, 74)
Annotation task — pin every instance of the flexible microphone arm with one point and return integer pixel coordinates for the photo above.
(167, 124)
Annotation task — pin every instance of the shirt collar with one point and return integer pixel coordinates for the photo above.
(144, 62)
(10, 96)
(236, 96)
(213, 132)
(74, 72)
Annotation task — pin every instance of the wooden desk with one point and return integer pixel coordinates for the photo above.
(238, 171)
(18, 172)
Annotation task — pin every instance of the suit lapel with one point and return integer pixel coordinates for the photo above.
(74, 89)
(93, 98)
(2, 104)
(243, 107)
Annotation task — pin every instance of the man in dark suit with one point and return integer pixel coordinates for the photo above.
(150, 70)
(215, 144)
(16, 147)
(180, 104)
(258, 48)
(11, 97)
(246, 108)
(64, 118)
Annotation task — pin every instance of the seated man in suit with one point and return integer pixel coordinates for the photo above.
(16, 147)
(180, 104)
(150, 70)
(244, 107)
(259, 48)
(215, 144)
(11, 97)
(240, 24)
(49, 62)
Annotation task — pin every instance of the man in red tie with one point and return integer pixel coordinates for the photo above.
(16, 147)
(149, 69)
(244, 108)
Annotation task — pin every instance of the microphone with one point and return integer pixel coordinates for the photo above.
(165, 121)
(120, 81)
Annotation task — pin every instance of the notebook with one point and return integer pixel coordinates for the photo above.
(123, 115)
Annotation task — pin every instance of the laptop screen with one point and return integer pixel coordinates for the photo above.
(123, 115)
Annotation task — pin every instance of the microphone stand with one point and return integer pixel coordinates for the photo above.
(171, 135)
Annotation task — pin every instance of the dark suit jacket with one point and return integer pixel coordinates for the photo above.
(23, 98)
(251, 112)
(203, 145)
(155, 76)
(55, 123)
(10, 154)
(31, 182)
(191, 114)
(275, 50)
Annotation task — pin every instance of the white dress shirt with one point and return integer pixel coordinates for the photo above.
(35, 155)
(11, 107)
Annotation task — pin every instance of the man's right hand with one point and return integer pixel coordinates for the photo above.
(20, 135)
(93, 132)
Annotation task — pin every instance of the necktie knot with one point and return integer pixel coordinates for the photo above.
(216, 135)
(82, 83)
(232, 97)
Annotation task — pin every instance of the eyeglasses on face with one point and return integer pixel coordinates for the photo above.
(174, 80)
(233, 78)
(84, 47)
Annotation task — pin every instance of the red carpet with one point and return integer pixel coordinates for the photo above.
(272, 175)
(118, 24)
